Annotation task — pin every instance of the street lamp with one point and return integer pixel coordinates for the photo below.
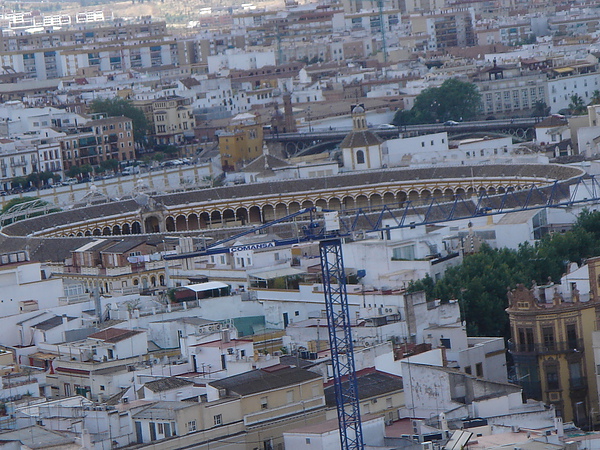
(308, 113)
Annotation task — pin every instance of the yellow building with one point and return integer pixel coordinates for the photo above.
(552, 347)
(273, 400)
(172, 120)
(241, 142)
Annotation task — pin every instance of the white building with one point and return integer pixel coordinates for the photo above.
(326, 435)
(238, 60)
(430, 388)
(429, 149)
(562, 88)
(23, 282)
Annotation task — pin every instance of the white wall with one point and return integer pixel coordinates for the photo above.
(24, 282)
(373, 434)
(490, 352)
(419, 149)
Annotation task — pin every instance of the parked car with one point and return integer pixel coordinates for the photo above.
(386, 126)
(450, 123)
(131, 170)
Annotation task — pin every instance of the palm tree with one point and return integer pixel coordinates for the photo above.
(577, 106)
(540, 109)
(595, 98)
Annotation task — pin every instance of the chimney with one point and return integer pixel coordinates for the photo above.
(225, 336)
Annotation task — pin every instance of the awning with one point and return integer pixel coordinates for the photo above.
(277, 273)
(563, 70)
(208, 286)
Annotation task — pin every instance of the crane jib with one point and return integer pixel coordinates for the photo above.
(243, 248)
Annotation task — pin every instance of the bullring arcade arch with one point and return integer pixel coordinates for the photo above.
(198, 218)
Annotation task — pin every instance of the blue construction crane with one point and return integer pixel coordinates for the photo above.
(328, 228)
(336, 305)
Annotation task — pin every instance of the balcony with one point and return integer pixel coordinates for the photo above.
(575, 346)
(577, 384)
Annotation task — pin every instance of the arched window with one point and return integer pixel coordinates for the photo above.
(360, 157)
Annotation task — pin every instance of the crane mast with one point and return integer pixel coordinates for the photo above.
(329, 231)
(340, 341)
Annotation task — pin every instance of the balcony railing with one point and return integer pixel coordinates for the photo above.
(577, 384)
(574, 346)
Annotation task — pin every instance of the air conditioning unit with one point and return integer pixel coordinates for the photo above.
(427, 445)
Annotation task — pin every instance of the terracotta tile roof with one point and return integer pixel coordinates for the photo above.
(552, 121)
(369, 385)
(362, 138)
(166, 384)
(255, 381)
(113, 335)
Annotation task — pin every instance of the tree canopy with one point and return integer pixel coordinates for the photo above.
(540, 109)
(577, 105)
(482, 280)
(122, 107)
(453, 100)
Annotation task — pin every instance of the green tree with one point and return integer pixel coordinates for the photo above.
(167, 149)
(540, 109)
(73, 172)
(453, 100)
(481, 281)
(19, 182)
(46, 176)
(595, 100)
(110, 164)
(34, 179)
(403, 117)
(158, 156)
(86, 169)
(576, 105)
(121, 107)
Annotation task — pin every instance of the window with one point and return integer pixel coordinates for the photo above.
(572, 336)
(548, 336)
(191, 425)
(577, 379)
(360, 157)
(218, 420)
(308, 441)
(552, 377)
(101, 387)
(446, 343)
(264, 403)
(525, 339)
(289, 396)
(468, 370)
(160, 428)
(404, 253)
(479, 369)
